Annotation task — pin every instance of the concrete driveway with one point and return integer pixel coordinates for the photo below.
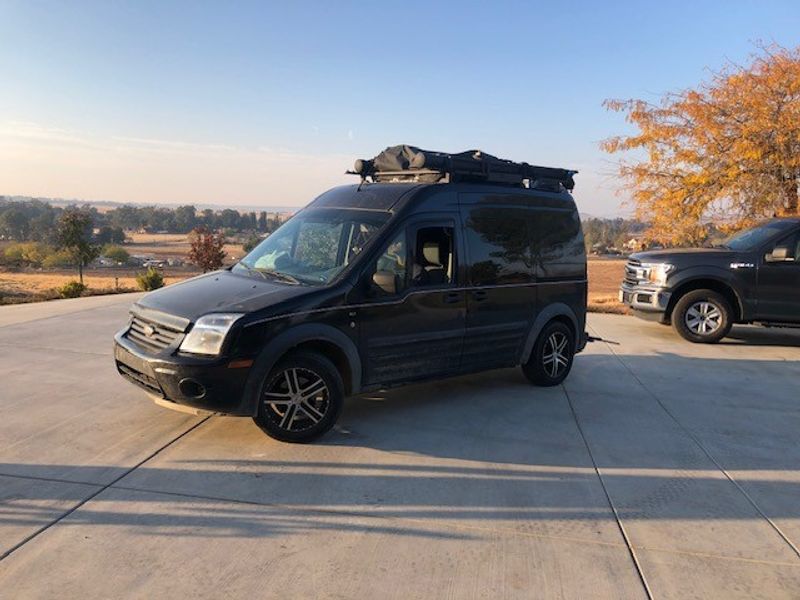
(661, 468)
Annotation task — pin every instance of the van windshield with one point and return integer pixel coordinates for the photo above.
(313, 247)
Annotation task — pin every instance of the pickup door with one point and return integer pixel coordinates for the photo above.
(779, 281)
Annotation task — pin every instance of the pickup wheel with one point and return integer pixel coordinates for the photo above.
(551, 359)
(301, 398)
(702, 316)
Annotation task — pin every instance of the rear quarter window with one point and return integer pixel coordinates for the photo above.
(557, 248)
(498, 245)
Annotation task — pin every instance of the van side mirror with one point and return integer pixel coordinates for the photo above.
(385, 280)
(778, 254)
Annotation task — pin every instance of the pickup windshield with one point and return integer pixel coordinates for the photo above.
(752, 239)
(313, 247)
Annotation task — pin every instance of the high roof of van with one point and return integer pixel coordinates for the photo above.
(392, 197)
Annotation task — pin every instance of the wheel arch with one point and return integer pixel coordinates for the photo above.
(322, 339)
(707, 283)
(554, 312)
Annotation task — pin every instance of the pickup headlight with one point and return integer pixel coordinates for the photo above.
(657, 272)
(208, 333)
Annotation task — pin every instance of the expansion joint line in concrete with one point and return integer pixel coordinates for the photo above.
(103, 488)
(621, 527)
(705, 451)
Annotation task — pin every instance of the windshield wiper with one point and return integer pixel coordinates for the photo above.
(250, 269)
(280, 275)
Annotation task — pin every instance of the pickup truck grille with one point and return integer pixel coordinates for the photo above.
(151, 335)
(630, 271)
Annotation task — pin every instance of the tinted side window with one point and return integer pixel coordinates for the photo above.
(557, 248)
(498, 245)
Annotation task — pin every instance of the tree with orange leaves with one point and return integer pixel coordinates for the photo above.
(726, 153)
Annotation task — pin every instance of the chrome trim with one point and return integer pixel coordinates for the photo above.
(174, 322)
(659, 297)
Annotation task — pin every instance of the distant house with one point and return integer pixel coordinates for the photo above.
(635, 245)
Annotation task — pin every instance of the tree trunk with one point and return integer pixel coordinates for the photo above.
(80, 271)
(790, 191)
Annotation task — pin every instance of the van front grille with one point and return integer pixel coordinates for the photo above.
(151, 335)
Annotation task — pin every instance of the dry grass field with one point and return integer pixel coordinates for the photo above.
(37, 286)
(604, 279)
(165, 245)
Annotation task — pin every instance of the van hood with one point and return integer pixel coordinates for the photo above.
(220, 291)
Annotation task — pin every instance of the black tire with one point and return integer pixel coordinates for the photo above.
(702, 316)
(288, 414)
(545, 367)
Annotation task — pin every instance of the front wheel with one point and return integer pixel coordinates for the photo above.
(702, 316)
(551, 359)
(300, 399)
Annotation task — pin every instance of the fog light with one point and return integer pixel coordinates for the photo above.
(191, 389)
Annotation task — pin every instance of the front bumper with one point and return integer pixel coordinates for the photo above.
(645, 298)
(200, 385)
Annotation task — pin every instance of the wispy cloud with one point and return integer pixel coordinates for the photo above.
(38, 159)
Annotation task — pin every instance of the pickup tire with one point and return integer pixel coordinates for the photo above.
(702, 316)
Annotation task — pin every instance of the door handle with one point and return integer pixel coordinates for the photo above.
(480, 295)
(452, 297)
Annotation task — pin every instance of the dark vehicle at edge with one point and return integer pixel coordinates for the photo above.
(418, 274)
(754, 277)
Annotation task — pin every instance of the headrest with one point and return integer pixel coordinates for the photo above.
(430, 250)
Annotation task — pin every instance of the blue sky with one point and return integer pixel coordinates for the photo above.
(232, 103)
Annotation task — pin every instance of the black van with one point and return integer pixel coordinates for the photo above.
(434, 265)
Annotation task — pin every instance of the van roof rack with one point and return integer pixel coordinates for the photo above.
(411, 164)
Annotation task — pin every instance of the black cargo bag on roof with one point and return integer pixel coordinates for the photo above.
(472, 165)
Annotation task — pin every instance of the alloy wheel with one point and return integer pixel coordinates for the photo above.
(556, 354)
(703, 318)
(296, 399)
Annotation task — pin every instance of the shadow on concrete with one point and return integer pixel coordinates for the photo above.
(483, 448)
(763, 336)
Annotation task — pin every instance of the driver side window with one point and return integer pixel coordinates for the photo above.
(393, 261)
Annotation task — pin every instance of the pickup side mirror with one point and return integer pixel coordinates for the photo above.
(386, 281)
(778, 254)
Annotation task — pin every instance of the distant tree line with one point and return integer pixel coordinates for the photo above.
(36, 221)
(184, 219)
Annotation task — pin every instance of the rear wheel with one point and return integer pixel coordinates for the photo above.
(551, 359)
(300, 399)
(702, 316)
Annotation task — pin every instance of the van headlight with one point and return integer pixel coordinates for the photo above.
(657, 273)
(208, 333)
